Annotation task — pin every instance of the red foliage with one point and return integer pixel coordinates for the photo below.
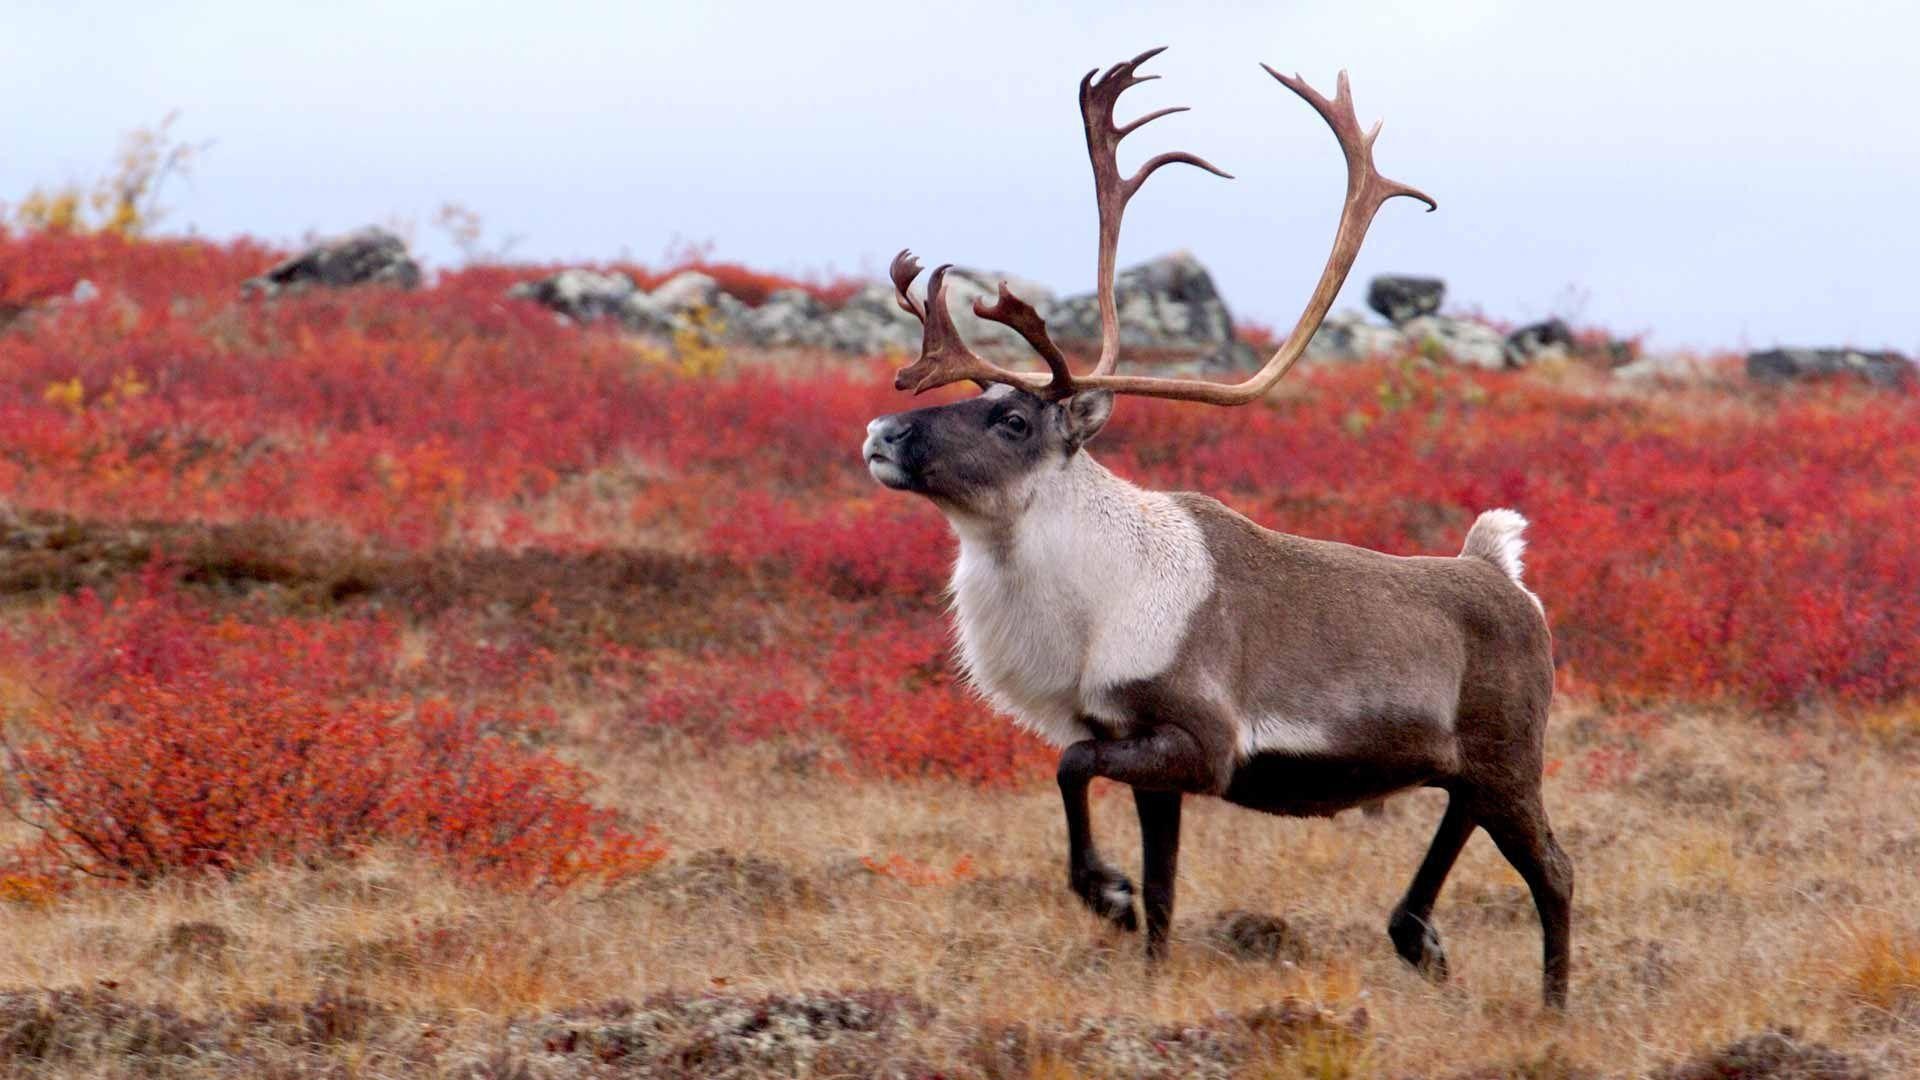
(188, 743)
(881, 687)
(1750, 546)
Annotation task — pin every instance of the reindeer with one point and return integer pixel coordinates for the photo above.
(1165, 642)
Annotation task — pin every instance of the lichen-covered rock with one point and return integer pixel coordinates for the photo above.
(1169, 305)
(1788, 365)
(789, 317)
(1400, 297)
(371, 256)
(871, 323)
(1550, 339)
(1460, 340)
(964, 286)
(580, 295)
(687, 290)
(1657, 366)
(1348, 336)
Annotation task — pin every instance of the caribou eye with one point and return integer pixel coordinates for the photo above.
(1013, 424)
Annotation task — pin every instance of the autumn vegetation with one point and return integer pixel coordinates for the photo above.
(411, 683)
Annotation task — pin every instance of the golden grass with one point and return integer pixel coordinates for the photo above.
(1785, 898)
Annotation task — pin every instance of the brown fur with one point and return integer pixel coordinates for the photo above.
(1418, 671)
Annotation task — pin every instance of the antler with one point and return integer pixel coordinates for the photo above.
(1098, 96)
(1366, 191)
(945, 358)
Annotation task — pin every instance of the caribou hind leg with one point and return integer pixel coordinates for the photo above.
(1105, 891)
(1411, 925)
(1519, 828)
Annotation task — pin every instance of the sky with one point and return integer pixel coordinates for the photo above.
(1710, 175)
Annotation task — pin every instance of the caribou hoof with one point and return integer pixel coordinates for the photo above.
(1418, 943)
(1107, 893)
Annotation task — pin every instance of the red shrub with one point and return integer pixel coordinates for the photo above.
(881, 688)
(199, 744)
(1710, 543)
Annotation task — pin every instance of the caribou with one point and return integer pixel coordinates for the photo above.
(1165, 642)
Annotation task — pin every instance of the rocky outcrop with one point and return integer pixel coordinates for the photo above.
(580, 295)
(1168, 305)
(1459, 340)
(964, 286)
(1789, 365)
(1399, 297)
(1349, 335)
(1551, 339)
(1668, 367)
(372, 256)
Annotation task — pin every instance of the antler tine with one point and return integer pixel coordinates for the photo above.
(903, 270)
(1339, 115)
(944, 356)
(1010, 310)
(1098, 97)
(1366, 191)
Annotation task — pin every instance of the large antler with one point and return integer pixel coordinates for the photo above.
(945, 358)
(1098, 96)
(1366, 191)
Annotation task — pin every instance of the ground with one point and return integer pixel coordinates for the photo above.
(1749, 880)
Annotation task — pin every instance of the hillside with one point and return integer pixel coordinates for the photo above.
(408, 682)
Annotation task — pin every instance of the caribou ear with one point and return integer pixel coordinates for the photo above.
(1086, 413)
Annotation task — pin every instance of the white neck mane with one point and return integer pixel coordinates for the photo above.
(1086, 587)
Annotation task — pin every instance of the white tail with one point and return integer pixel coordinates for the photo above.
(1498, 537)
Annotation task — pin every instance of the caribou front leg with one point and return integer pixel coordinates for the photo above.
(1160, 766)
(1104, 890)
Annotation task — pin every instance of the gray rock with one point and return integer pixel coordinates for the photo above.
(1665, 366)
(870, 323)
(1460, 340)
(1169, 303)
(1548, 340)
(964, 286)
(1788, 365)
(686, 290)
(1346, 336)
(790, 317)
(372, 256)
(1400, 297)
(643, 314)
(728, 311)
(580, 295)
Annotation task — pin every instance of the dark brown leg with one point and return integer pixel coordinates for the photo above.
(1411, 925)
(1159, 766)
(1166, 758)
(1104, 890)
(1522, 833)
(1159, 862)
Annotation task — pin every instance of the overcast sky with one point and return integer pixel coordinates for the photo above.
(1723, 175)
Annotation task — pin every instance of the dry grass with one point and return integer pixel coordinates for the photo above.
(1742, 880)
